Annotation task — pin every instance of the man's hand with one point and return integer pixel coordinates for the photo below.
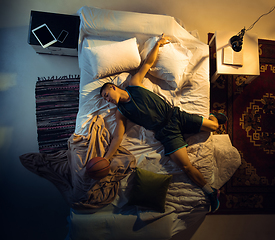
(163, 40)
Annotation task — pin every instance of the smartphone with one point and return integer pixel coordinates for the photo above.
(44, 35)
(62, 36)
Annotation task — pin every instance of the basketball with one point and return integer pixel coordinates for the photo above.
(98, 167)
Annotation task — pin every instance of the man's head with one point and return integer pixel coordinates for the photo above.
(110, 92)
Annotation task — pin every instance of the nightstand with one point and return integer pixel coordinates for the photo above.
(219, 46)
(56, 23)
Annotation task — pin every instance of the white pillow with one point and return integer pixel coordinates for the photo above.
(147, 47)
(113, 58)
(171, 62)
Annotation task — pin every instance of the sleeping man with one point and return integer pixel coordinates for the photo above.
(147, 109)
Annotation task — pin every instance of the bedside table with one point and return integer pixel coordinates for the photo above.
(56, 23)
(250, 56)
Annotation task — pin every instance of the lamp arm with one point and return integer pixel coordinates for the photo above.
(237, 40)
(252, 25)
(241, 33)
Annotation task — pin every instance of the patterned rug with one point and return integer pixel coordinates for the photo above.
(56, 110)
(251, 127)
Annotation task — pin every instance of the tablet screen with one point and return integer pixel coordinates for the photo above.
(44, 35)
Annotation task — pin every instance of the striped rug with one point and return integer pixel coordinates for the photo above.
(56, 110)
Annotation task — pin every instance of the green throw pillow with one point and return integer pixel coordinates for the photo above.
(149, 189)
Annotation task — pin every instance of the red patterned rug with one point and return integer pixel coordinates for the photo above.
(251, 127)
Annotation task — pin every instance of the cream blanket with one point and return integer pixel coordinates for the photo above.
(66, 169)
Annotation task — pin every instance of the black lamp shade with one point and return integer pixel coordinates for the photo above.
(236, 43)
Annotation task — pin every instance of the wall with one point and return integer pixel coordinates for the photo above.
(31, 207)
(205, 16)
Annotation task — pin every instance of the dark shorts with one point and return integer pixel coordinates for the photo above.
(171, 135)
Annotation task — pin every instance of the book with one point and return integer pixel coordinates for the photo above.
(230, 57)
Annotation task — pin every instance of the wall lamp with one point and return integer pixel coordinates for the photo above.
(237, 40)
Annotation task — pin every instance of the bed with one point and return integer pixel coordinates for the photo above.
(112, 44)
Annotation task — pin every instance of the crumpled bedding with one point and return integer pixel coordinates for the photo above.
(66, 168)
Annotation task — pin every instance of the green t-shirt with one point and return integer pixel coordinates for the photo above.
(145, 108)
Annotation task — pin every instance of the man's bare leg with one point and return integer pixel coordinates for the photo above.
(180, 157)
(212, 123)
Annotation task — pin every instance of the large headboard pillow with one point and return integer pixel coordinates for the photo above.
(172, 60)
(114, 58)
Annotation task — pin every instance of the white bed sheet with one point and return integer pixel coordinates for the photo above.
(216, 158)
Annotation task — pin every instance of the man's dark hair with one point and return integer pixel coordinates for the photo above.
(105, 85)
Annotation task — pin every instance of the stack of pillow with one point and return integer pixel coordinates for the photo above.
(172, 60)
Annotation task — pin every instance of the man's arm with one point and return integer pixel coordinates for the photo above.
(118, 135)
(136, 80)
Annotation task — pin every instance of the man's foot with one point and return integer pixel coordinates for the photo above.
(214, 200)
(222, 119)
